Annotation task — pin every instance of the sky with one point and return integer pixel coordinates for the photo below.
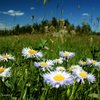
(13, 12)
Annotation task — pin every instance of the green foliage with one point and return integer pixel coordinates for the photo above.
(44, 1)
(86, 29)
(94, 95)
(26, 83)
(58, 25)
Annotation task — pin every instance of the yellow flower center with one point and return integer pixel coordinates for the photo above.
(58, 77)
(2, 69)
(61, 68)
(57, 60)
(32, 51)
(83, 63)
(83, 74)
(43, 64)
(5, 56)
(66, 53)
(75, 67)
(93, 61)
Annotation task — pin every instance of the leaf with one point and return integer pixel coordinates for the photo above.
(24, 95)
(98, 69)
(41, 44)
(94, 95)
(44, 2)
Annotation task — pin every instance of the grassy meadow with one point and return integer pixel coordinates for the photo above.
(26, 81)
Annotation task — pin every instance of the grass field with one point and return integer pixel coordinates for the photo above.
(26, 81)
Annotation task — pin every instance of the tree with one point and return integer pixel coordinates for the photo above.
(98, 22)
(78, 29)
(17, 29)
(86, 29)
(66, 22)
(44, 23)
(54, 22)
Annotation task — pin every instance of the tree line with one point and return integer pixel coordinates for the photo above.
(50, 27)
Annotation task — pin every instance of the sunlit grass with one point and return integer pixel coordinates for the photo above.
(26, 82)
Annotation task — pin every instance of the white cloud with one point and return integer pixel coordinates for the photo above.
(12, 13)
(85, 14)
(32, 8)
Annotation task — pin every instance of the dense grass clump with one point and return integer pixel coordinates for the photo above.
(26, 81)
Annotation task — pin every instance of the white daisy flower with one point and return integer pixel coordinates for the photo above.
(66, 54)
(60, 68)
(4, 72)
(6, 57)
(58, 78)
(91, 61)
(29, 53)
(44, 64)
(97, 64)
(75, 67)
(91, 78)
(82, 75)
(82, 63)
(58, 61)
(39, 55)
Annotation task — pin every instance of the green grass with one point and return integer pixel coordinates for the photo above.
(26, 83)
